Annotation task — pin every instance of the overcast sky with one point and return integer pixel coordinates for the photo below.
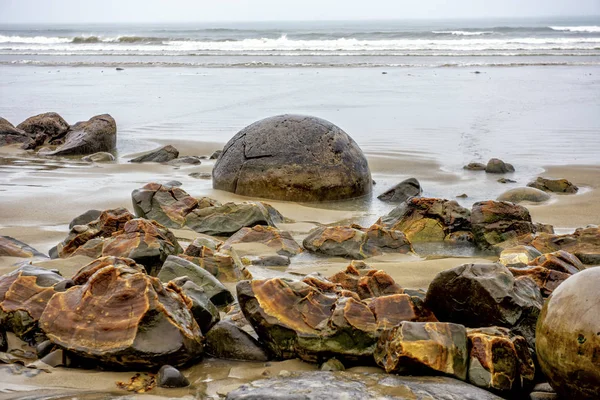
(70, 11)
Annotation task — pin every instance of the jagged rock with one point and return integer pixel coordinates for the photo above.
(428, 219)
(187, 160)
(226, 266)
(356, 242)
(546, 279)
(584, 243)
(11, 135)
(176, 267)
(281, 241)
(99, 157)
(518, 195)
(161, 154)
(205, 312)
(495, 222)
(11, 247)
(85, 218)
(294, 158)
(24, 294)
(171, 377)
(559, 261)
(499, 360)
(89, 319)
(497, 166)
(47, 128)
(343, 385)
(554, 185)
(228, 341)
(475, 166)
(402, 191)
(480, 295)
(567, 339)
(317, 319)
(89, 137)
(424, 348)
(519, 256)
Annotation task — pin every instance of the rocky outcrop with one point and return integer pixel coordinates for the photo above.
(402, 191)
(554, 185)
(495, 222)
(480, 295)
(428, 219)
(89, 137)
(159, 155)
(294, 158)
(11, 247)
(47, 128)
(424, 348)
(282, 242)
(529, 194)
(497, 166)
(567, 339)
(356, 242)
(11, 135)
(584, 243)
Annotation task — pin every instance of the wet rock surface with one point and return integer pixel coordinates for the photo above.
(159, 155)
(47, 128)
(281, 241)
(494, 222)
(281, 157)
(402, 191)
(228, 341)
(584, 243)
(171, 377)
(475, 166)
(204, 311)
(99, 134)
(11, 247)
(497, 166)
(554, 185)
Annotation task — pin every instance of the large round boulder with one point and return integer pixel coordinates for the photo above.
(568, 337)
(295, 158)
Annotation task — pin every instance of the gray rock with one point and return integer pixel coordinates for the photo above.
(99, 134)
(161, 154)
(187, 160)
(506, 180)
(171, 377)
(11, 135)
(402, 191)
(175, 267)
(53, 252)
(45, 128)
(475, 166)
(497, 166)
(201, 175)
(228, 341)
(321, 385)
(275, 260)
(295, 158)
(12, 247)
(204, 311)
(216, 154)
(99, 157)
(518, 195)
(554, 185)
(85, 218)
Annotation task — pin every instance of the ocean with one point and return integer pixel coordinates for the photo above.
(448, 43)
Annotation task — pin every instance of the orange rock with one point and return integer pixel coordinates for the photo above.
(281, 241)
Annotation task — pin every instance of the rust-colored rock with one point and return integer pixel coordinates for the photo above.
(356, 242)
(546, 279)
(424, 348)
(24, 294)
(11, 247)
(281, 241)
(90, 320)
(499, 360)
(364, 281)
(495, 222)
(428, 219)
(584, 244)
(225, 265)
(560, 260)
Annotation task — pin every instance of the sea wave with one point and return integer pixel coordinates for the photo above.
(589, 29)
(33, 39)
(464, 33)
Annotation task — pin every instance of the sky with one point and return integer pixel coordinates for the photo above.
(106, 11)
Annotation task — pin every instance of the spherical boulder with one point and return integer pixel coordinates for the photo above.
(294, 158)
(568, 337)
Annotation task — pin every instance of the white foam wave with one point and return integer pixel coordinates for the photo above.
(589, 29)
(463, 33)
(33, 39)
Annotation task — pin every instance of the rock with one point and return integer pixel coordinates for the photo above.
(99, 134)
(161, 154)
(424, 348)
(120, 69)
(480, 295)
(3, 341)
(176, 267)
(475, 166)
(99, 157)
(47, 128)
(171, 377)
(201, 175)
(281, 241)
(205, 312)
(518, 195)
(499, 360)
(294, 158)
(44, 348)
(85, 218)
(559, 261)
(543, 228)
(226, 340)
(215, 155)
(24, 294)
(88, 319)
(497, 166)
(495, 222)
(226, 266)
(519, 256)
(546, 279)
(462, 196)
(554, 185)
(11, 135)
(356, 242)
(11, 247)
(402, 191)
(428, 219)
(195, 248)
(187, 160)
(567, 339)
(333, 364)
(584, 244)
(317, 318)
(506, 180)
(266, 261)
(343, 385)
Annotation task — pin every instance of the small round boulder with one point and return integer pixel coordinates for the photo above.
(568, 337)
(294, 158)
